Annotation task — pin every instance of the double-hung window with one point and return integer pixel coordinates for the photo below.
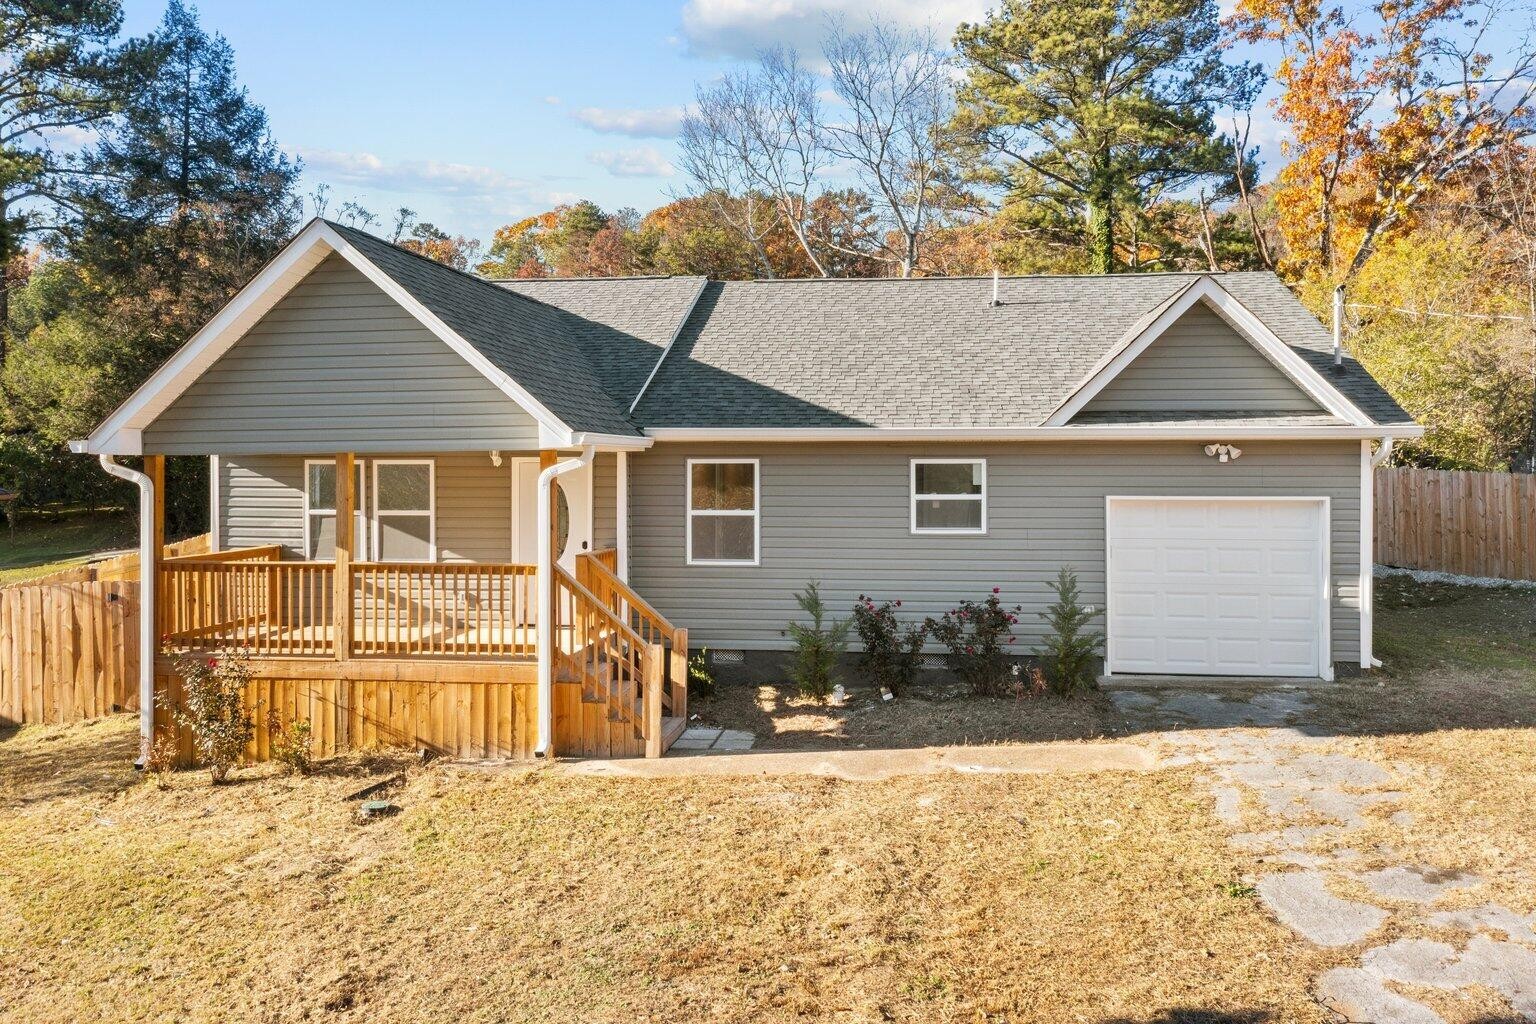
(320, 511)
(949, 495)
(404, 511)
(722, 511)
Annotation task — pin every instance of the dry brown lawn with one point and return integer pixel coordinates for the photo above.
(533, 894)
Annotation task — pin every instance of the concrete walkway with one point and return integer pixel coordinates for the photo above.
(1024, 758)
(1287, 796)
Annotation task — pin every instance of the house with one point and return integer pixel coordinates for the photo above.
(555, 487)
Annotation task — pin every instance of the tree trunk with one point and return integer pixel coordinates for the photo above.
(1101, 228)
(7, 244)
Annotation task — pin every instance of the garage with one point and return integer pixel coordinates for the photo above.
(1224, 586)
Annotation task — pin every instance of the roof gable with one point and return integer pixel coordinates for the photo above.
(515, 343)
(1200, 363)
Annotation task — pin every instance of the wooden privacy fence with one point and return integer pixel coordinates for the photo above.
(1476, 524)
(68, 651)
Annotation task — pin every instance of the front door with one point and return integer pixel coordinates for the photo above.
(573, 523)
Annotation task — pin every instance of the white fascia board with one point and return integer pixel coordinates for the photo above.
(1241, 319)
(676, 332)
(1078, 433)
(614, 442)
(120, 433)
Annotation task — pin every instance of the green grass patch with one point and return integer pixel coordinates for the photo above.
(37, 547)
(1438, 625)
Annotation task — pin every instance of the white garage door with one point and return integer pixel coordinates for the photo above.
(1217, 586)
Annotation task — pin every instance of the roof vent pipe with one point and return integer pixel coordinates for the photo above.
(1338, 329)
(995, 300)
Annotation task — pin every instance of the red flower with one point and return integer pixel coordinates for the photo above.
(1012, 639)
(213, 662)
(997, 590)
(898, 603)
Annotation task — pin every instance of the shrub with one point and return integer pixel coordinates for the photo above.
(817, 646)
(977, 635)
(213, 709)
(290, 743)
(1068, 651)
(892, 653)
(701, 677)
(160, 759)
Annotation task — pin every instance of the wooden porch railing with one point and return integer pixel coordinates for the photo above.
(408, 608)
(614, 664)
(597, 571)
(270, 608)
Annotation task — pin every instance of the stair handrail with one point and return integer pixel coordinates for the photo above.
(645, 656)
(626, 597)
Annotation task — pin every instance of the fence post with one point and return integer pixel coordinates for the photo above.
(655, 677)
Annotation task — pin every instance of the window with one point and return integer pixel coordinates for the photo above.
(722, 512)
(949, 496)
(320, 511)
(404, 511)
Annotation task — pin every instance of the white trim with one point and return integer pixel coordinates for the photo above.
(359, 504)
(913, 498)
(1242, 320)
(516, 509)
(213, 504)
(795, 435)
(676, 332)
(1325, 569)
(755, 513)
(431, 511)
(1367, 552)
(301, 255)
(621, 513)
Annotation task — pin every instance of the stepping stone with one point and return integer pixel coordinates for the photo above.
(1416, 884)
(696, 738)
(1489, 916)
(1414, 962)
(1131, 700)
(734, 739)
(1229, 804)
(1301, 901)
(1508, 969)
(1358, 995)
(1292, 838)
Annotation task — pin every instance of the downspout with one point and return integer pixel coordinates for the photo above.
(1381, 455)
(546, 577)
(146, 600)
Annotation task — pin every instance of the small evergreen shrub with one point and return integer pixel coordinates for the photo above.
(1069, 649)
(817, 646)
(213, 709)
(701, 677)
(977, 635)
(290, 743)
(892, 653)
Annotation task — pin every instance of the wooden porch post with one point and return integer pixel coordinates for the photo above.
(154, 468)
(346, 500)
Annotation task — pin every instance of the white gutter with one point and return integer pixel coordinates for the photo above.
(1382, 453)
(1204, 432)
(146, 600)
(546, 577)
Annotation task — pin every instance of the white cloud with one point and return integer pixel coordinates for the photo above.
(435, 176)
(643, 162)
(553, 101)
(740, 28)
(648, 123)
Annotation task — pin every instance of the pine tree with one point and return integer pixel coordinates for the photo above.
(1068, 651)
(1080, 109)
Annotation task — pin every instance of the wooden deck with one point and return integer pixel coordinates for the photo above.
(438, 657)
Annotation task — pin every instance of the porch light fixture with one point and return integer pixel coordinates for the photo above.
(1224, 452)
(496, 458)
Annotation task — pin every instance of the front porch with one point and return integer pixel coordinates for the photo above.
(427, 654)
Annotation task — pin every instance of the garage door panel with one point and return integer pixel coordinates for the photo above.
(1216, 586)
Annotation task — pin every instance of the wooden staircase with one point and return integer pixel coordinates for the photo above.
(618, 691)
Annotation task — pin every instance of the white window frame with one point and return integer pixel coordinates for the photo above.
(914, 497)
(755, 512)
(360, 503)
(430, 513)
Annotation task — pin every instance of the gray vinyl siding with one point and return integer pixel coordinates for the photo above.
(337, 365)
(840, 514)
(262, 502)
(605, 495)
(1200, 362)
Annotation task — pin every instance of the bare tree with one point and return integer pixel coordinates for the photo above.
(758, 132)
(898, 90)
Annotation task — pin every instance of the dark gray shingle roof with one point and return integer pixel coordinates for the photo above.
(933, 352)
(623, 324)
(526, 339)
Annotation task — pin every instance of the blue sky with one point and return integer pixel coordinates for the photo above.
(476, 113)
